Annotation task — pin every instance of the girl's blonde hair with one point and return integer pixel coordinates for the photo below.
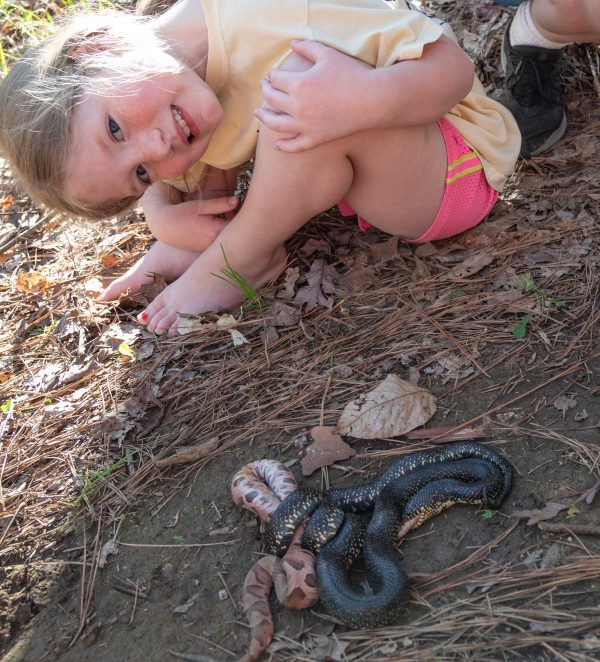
(40, 92)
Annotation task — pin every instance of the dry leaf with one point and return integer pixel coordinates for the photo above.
(151, 290)
(32, 281)
(282, 314)
(550, 510)
(320, 283)
(110, 547)
(472, 264)
(391, 409)
(328, 447)
(563, 403)
(286, 289)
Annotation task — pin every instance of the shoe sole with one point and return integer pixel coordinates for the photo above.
(552, 139)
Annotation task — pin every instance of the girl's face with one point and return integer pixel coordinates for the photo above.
(140, 134)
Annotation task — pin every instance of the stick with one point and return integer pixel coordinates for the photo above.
(574, 529)
(189, 453)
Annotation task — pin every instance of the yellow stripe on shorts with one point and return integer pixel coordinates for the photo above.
(460, 159)
(463, 173)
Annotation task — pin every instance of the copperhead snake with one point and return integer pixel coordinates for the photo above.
(260, 487)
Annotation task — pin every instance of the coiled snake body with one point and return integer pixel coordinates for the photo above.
(413, 489)
(410, 491)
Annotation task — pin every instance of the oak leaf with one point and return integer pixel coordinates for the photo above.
(328, 447)
(320, 280)
(393, 408)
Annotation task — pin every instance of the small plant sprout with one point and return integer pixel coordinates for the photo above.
(520, 330)
(528, 284)
(573, 511)
(229, 274)
(487, 514)
(455, 294)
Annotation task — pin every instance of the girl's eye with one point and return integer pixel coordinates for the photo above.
(114, 129)
(142, 174)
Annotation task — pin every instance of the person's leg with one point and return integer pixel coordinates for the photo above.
(395, 178)
(532, 50)
(567, 21)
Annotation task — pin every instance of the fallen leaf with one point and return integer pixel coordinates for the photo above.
(286, 288)
(535, 515)
(589, 495)
(109, 260)
(186, 606)
(320, 283)
(282, 314)
(552, 556)
(328, 447)
(151, 290)
(32, 281)
(391, 409)
(385, 250)
(564, 403)
(316, 246)
(329, 648)
(472, 264)
(110, 547)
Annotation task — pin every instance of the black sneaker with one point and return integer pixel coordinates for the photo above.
(533, 93)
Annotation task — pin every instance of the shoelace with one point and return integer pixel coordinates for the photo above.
(532, 79)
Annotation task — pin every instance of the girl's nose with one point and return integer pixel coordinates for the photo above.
(155, 147)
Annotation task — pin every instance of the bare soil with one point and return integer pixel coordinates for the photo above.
(78, 467)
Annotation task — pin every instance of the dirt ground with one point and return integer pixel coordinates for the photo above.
(499, 324)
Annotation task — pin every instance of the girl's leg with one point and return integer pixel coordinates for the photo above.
(399, 178)
(160, 259)
(395, 176)
(467, 197)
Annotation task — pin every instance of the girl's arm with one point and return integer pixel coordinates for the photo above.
(182, 221)
(337, 95)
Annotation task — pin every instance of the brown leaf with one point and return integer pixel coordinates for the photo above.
(328, 447)
(32, 281)
(589, 495)
(282, 314)
(550, 510)
(151, 290)
(391, 409)
(472, 264)
(385, 250)
(320, 283)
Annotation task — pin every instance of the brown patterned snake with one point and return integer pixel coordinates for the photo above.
(260, 487)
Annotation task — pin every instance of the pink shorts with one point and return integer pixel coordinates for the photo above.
(467, 199)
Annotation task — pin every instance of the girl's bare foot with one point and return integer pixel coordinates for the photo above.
(160, 259)
(199, 290)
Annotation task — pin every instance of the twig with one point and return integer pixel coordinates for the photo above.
(573, 529)
(182, 546)
(227, 589)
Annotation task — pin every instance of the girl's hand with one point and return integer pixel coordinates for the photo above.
(316, 105)
(191, 225)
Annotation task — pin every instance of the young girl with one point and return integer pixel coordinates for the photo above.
(113, 109)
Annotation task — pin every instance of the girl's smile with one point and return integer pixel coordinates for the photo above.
(138, 135)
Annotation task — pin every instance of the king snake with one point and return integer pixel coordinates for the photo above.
(411, 490)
